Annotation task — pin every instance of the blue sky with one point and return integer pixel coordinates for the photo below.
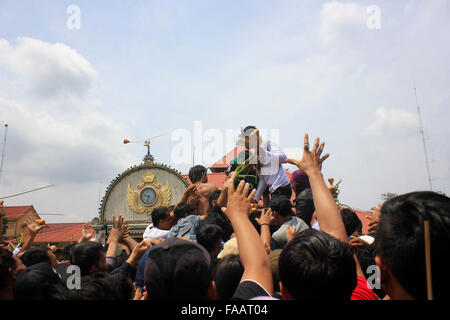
(139, 68)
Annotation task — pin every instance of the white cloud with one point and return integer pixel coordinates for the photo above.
(76, 147)
(391, 120)
(339, 20)
(50, 69)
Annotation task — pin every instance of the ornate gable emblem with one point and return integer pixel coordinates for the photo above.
(148, 195)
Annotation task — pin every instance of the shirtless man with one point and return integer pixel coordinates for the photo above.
(199, 179)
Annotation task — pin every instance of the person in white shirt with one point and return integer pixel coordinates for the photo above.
(270, 170)
(162, 221)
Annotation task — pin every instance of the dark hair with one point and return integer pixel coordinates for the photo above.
(282, 205)
(86, 255)
(227, 276)
(252, 217)
(102, 286)
(159, 214)
(196, 173)
(6, 262)
(183, 210)
(351, 221)
(38, 282)
(220, 220)
(171, 207)
(248, 130)
(315, 265)
(213, 196)
(66, 251)
(366, 258)
(36, 255)
(177, 269)
(208, 235)
(401, 245)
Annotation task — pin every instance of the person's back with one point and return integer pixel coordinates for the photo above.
(400, 245)
(187, 222)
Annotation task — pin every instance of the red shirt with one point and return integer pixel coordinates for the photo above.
(362, 292)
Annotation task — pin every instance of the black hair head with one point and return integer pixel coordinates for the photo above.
(6, 262)
(248, 130)
(208, 235)
(196, 173)
(213, 196)
(315, 265)
(159, 214)
(401, 245)
(177, 269)
(102, 286)
(219, 219)
(227, 276)
(36, 255)
(86, 255)
(183, 210)
(38, 282)
(282, 205)
(351, 221)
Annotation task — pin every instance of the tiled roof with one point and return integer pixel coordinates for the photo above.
(13, 212)
(59, 232)
(223, 163)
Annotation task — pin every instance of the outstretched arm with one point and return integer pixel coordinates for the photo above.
(328, 213)
(33, 229)
(265, 221)
(251, 249)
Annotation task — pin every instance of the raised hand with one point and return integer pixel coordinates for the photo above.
(374, 219)
(33, 227)
(138, 252)
(311, 160)
(290, 232)
(266, 218)
(87, 232)
(118, 229)
(357, 242)
(238, 200)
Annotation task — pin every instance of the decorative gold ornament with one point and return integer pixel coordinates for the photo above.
(149, 195)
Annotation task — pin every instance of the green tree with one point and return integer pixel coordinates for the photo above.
(388, 195)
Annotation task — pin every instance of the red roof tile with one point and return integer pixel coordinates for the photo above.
(223, 163)
(59, 232)
(13, 212)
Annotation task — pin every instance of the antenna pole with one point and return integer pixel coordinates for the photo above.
(3, 151)
(423, 139)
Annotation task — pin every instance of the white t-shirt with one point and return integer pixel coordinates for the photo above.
(153, 233)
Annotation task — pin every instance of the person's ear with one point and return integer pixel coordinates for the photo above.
(211, 294)
(285, 295)
(384, 270)
(12, 273)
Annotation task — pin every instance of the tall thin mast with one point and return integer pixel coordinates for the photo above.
(3, 150)
(423, 139)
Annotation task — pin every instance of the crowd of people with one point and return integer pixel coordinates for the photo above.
(221, 244)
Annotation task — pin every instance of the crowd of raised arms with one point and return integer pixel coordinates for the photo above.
(219, 244)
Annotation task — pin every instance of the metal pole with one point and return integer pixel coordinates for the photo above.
(423, 139)
(3, 150)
